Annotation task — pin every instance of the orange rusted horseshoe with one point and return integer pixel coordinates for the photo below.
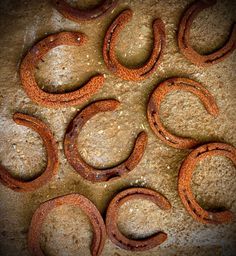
(113, 63)
(52, 157)
(73, 199)
(184, 182)
(78, 15)
(112, 213)
(41, 97)
(184, 37)
(76, 161)
(153, 110)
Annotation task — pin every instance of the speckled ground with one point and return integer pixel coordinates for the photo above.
(108, 137)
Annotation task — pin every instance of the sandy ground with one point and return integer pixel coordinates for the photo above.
(108, 137)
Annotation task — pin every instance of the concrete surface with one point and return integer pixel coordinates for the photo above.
(108, 137)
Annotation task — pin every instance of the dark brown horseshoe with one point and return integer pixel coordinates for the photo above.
(73, 199)
(52, 157)
(153, 110)
(77, 162)
(79, 15)
(41, 97)
(184, 37)
(184, 182)
(109, 44)
(112, 213)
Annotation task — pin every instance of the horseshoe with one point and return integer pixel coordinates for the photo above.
(153, 110)
(73, 199)
(36, 54)
(112, 213)
(78, 15)
(109, 44)
(76, 161)
(184, 37)
(184, 181)
(52, 157)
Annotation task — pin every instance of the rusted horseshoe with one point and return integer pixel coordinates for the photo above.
(184, 182)
(153, 110)
(77, 162)
(78, 15)
(112, 213)
(58, 99)
(73, 199)
(109, 44)
(52, 157)
(184, 37)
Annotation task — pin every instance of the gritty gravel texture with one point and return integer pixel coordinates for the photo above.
(108, 138)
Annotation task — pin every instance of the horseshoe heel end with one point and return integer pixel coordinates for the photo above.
(96, 82)
(160, 238)
(125, 16)
(67, 38)
(138, 150)
(221, 217)
(159, 24)
(19, 117)
(107, 105)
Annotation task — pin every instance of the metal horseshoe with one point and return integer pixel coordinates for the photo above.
(109, 44)
(47, 99)
(184, 37)
(153, 109)
(76, 161)
(52, 157)
(112, 213)
(78, 15)
(85, 204)
(184, 182)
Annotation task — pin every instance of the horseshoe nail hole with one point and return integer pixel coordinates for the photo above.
(65, 69)
(213, 183)
(212, 26)
(183, 114)
(66, 231)
(133, 221)
(22, 152)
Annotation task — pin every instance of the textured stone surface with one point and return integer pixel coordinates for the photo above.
(108, 138)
